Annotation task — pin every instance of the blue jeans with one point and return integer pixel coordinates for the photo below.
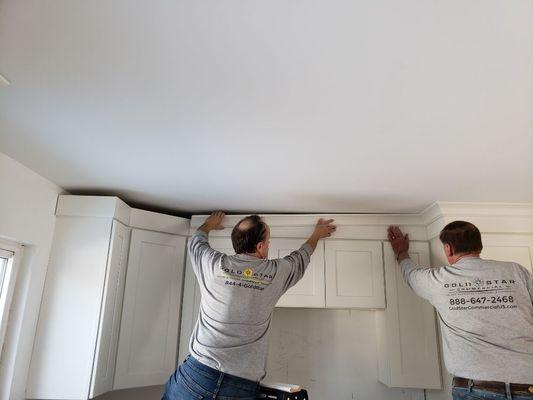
(194, 380)
(459, 393)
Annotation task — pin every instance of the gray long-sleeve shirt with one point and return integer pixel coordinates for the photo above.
(238, 297)
(485, 310)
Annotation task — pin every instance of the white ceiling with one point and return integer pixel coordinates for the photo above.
(273, 105)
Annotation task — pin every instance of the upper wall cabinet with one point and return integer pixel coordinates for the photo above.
(85, 320)
(150, 318)
(408, 354)
(190, 310)
(81, 308)
(310, 291)
(354, 274)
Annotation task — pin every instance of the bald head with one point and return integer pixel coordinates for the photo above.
(245, 224)
(248, 233)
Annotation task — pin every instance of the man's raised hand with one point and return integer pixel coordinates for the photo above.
(213, 222)
(399, 242)
(324, 228)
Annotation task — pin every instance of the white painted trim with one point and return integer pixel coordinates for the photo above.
(274, 220)
(5, 253)
(93, 206)
(153, 221)
(485, 209)
(349, 226)
(114, 207)
(488, 217)
(11, 246)
(14, 253)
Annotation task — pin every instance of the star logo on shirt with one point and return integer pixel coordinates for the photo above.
(248, 272)
(478, 282)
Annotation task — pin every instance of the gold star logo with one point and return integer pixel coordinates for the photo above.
(248, 272)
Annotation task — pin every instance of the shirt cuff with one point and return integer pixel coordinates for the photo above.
(307, 247)
(407, 263)
(199, 232)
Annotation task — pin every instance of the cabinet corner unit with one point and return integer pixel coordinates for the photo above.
(102, 258)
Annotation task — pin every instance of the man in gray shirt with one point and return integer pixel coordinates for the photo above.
(229, 344)
(485, 309)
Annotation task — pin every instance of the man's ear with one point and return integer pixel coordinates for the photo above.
(448, 250)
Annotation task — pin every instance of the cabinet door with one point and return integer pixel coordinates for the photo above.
(514, 248)
(192, 297)
(354, 274)
(106, 346)
(190, 309)
(149, 330)
(406, 329)
(310, 291)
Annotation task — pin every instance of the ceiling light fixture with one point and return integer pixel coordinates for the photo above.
(3, 81)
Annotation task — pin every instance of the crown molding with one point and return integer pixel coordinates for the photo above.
(349, 226)
(93, 206)
(158, 222)
(114, 208)
(488, 217)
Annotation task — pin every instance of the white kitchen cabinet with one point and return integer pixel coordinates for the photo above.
(81, 321)
(354, 274)
(151, 312)
(310, 291)
(81, 308)
(190, 310)
(408, 354)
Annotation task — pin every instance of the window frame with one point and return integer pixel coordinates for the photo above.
(13, 252)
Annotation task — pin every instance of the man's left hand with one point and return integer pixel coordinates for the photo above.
(213, 222)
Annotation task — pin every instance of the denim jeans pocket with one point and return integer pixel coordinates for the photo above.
(193, 389)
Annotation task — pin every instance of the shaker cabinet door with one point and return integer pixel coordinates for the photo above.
(310, 291)
(150, 318)
(354, 274)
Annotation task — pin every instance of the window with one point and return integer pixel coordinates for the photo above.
(9, 259)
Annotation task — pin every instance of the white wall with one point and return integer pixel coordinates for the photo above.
(331, 353)
(27, 207)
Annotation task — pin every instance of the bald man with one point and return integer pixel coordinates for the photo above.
(229, 344)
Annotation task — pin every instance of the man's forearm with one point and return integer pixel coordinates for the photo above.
(205, 228)
(313, 241)
(402, 256)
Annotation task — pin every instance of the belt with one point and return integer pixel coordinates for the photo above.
(493, 386)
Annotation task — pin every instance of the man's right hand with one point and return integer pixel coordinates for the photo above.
(323, 229)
